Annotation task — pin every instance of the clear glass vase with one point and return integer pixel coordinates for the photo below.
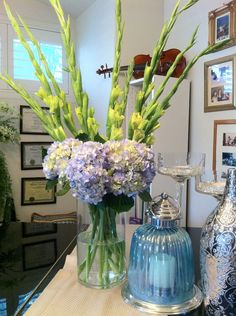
(101, 249)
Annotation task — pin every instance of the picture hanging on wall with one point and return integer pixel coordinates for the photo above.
(219, 84)
(224, 146)
(29, 122)
(33, 191)
(222, 22)
(32, 154)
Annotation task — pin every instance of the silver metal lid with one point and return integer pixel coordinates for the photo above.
(165, 208)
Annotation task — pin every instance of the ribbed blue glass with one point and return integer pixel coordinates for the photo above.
(161, 268)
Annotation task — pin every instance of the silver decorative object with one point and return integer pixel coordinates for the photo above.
(218, 254)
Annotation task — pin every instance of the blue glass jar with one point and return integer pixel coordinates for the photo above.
(161, 266)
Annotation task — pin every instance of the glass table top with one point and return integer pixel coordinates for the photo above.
(30, 256)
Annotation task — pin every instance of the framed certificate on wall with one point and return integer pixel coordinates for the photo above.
(33, 191)
(29, 122)
(32, 154)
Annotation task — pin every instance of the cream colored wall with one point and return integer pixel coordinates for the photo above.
(143, 21)
(201, 126)
(31, 10)
(40, 15)
(95, 39)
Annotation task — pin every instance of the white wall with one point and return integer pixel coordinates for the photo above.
(41, 15)
(143, 21)
(95, 38)
(201, 126)
(35, 11)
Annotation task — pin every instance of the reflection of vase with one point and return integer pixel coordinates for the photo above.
(218, 254)
(101, 250)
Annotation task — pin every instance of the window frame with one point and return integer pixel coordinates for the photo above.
(42, 35)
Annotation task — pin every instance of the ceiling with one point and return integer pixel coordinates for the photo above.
(73, 7)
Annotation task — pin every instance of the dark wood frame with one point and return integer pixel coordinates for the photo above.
(23, 180)
(22, 145)
(216, 124)
(229, 8)
(22, 107)
(24, 249)
(42, 229)
(207, 65)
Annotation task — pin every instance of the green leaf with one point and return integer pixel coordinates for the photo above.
(119, 203)
(145, 196)
(64, 189)
(51, 184)
(83, 137)
(44, 152)
(99, 138)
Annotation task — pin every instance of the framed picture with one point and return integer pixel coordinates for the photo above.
(33, 191)
(39, 254)
(224, 146)
(222, 24)
(219, 81)
(32, 154)
(35, 229)
(29, 122)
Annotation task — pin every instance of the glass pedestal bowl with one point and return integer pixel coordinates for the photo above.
(210, 182)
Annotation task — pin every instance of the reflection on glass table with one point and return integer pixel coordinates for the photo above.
(30, 256)
(181, 167)
(210, 182)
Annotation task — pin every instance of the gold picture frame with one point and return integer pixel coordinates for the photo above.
(222, 22)
(219, 84)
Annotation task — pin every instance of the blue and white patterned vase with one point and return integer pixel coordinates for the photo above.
(218, 254)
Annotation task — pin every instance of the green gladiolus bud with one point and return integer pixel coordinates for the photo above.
(79, 115)
(136, 120)
(92, 127)
(116, 133)
(138, 135)
(62, 95)
(150, 140)
(41, 93)
(91, 112)
(116, 92)
(119, 107)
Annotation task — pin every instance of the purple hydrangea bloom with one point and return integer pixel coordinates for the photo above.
(58, 155)
(131, 166)
(94, 169)
(86, 173)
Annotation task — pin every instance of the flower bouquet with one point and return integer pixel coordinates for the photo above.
(105, 171)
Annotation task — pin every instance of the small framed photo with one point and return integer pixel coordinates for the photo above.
(219, 84)
(35, 229)
(29, 122)
(32, 154)
(39, 254)
(222, 24)
(33, 191)
(224, 146)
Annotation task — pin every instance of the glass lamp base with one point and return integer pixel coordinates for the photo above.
(162, 310)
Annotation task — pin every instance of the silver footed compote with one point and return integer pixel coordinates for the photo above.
(211, 182)
(180, 167)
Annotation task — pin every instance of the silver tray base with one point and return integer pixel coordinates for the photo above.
(162, 310)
